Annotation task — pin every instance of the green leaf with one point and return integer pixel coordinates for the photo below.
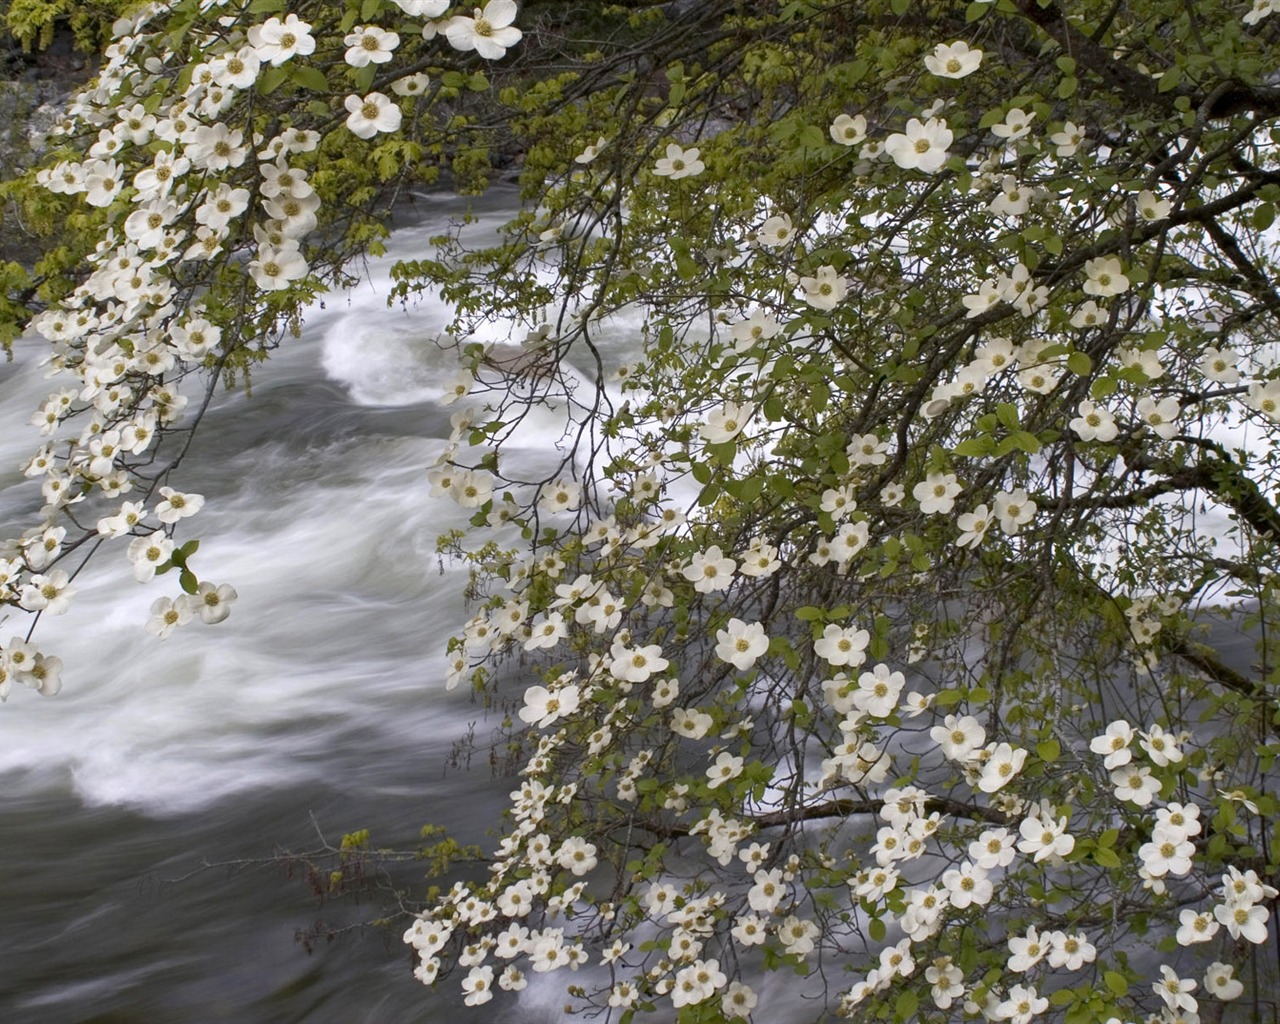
(1116, 983)
(1067, 87)
(1263, 216)
(309, 77)
(1007, 413)
(905, 1006)
(1049, 750)
(1102, 387)
(877, 930)
(369, 9)
(722, 452)
(811, 137)
(1079, 364)
(1025, 440)
(187, 580)
(975, 447)
(363, 77)
(271, 80)
(1106, 858)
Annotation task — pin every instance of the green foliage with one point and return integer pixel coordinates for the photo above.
(34, 22)
(934, 360)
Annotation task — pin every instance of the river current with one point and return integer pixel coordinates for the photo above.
(318, 707)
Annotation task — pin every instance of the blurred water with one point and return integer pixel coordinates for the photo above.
(319, 702)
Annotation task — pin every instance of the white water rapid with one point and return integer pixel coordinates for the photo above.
(319, 702)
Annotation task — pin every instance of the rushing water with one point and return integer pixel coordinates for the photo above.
(318, 705)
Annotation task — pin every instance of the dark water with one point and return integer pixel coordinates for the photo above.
(318, 705)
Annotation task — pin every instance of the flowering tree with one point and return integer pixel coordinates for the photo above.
(867, 626)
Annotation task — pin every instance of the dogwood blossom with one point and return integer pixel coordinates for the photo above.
(1094, 422)
(726, 767)
(577, 855)
(1022, 1005)
(922, 147)
(49, 593)
(1244, 921)
(276, 268)
(848, 131)
(776, 231)
(1175, 991)
(691, 723)
(371, 114)
(1104, 275)
(953, 60)
(1067, 139)
(878, 690)
(1003, 762)
(679, 163)
(826, 289)
(1016, 125)
(842, 645)
(936, 493)
(489, 30)
(741, 643)
(423, 8)
(960, 738)
(1168, 853)
(726, 423)
(969, 885)
(973, 526)
(1220, 981)
(369, 44)
(1135, 784)
(710, 571)
(542, 707)
(1161, 416)
(1045, 838)
(277, 41)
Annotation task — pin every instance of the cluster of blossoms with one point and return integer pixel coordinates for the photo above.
(199, 201)
(590, 713)
(688, 708)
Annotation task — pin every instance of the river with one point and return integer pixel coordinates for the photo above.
(318, 706)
